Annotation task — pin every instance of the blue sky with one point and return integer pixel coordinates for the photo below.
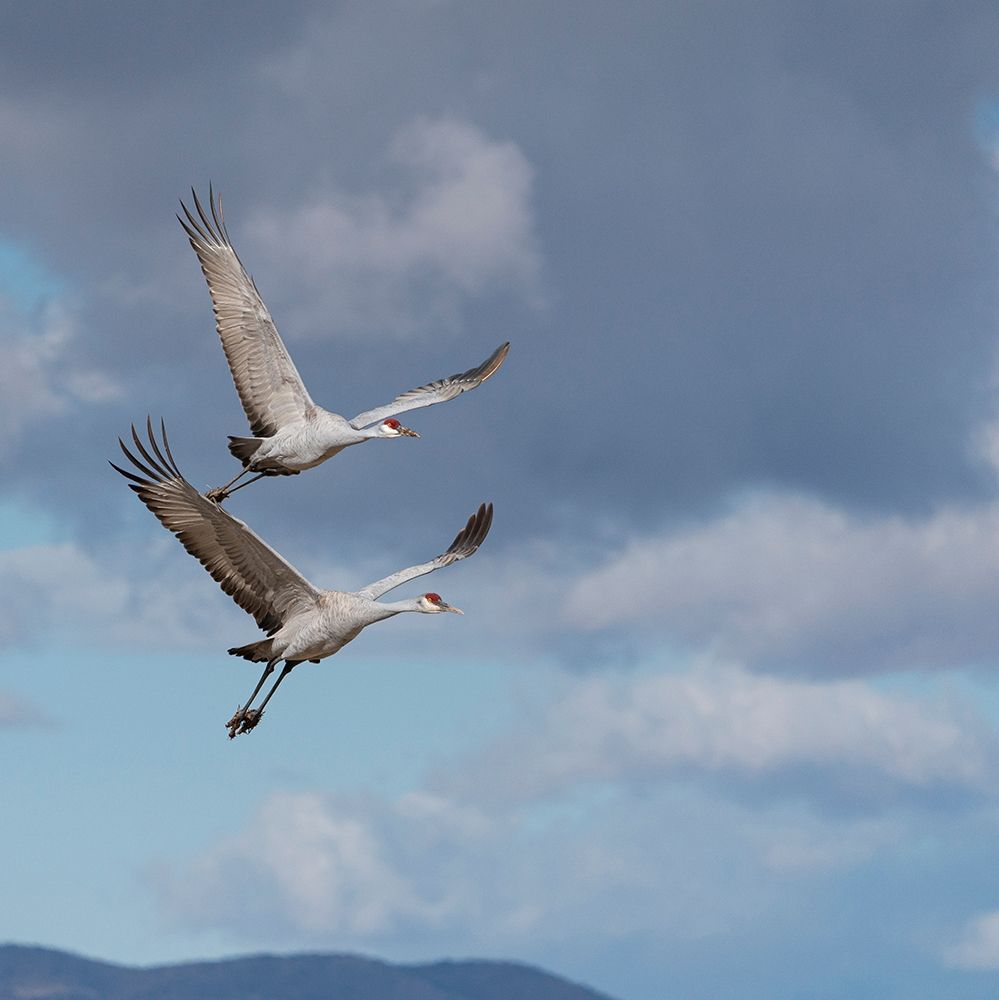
(721, 719)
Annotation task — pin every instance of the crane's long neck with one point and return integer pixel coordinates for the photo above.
(380, 610)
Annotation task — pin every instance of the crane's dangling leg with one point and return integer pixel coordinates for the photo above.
(240, 714)
(219, 494)
(252, 717)
(259, 475)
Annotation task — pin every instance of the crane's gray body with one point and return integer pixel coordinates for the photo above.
(339, 618)
(301, 445)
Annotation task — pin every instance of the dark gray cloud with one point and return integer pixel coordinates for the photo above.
(765, 240)
(126, 50)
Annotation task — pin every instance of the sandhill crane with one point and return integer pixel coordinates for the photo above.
(290, 433)
(302, 622)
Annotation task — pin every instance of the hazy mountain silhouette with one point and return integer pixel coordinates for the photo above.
(43, 974)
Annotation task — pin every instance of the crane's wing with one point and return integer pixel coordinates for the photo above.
(248, 570)
(269, 386)
(436, 392)
(465, 543)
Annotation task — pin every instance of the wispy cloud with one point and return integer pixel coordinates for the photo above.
(977, 947)
(15, 713)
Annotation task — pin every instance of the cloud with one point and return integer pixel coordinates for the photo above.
(43, 585)
(316, 869)
(40, 377)
(136, 598)
(977, 948)
(317, 864)
(459, 225)
(725, 721)
(588, 809)
(28, 389)
(312, 869)
(785, 581)
(15, 713)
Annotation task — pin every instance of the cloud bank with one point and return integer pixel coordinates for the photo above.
(597, 799)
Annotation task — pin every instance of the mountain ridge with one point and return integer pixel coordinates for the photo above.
(30, 972)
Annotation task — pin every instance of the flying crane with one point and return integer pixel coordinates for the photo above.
(302, 622)
(290, 433)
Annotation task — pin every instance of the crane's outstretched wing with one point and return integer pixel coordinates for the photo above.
(269, 386)
(436, 392)
(465, 543)
(249, 570)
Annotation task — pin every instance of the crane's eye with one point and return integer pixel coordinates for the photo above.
(433, 598)
(393, 423)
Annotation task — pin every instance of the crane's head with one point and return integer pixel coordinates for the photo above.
(432, 604)
(392, 428)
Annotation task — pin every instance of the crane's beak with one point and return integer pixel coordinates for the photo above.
(447, 607)
(408, 432)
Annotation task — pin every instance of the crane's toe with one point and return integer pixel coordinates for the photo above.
(217, 495)
(243, 721)
(250, 718)
(234, 725)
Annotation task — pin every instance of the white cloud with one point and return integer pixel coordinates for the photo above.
(978, 945)
(460, 225)
(787, 581)
(322, 866)
(726, 721)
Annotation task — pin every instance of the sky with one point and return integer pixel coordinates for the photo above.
(721, 719)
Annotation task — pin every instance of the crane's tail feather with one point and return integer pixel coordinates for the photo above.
(256, 652)
(244, 448)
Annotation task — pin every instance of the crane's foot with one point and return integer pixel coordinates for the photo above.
(217, 495)
(243, 721)
(250, 719)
